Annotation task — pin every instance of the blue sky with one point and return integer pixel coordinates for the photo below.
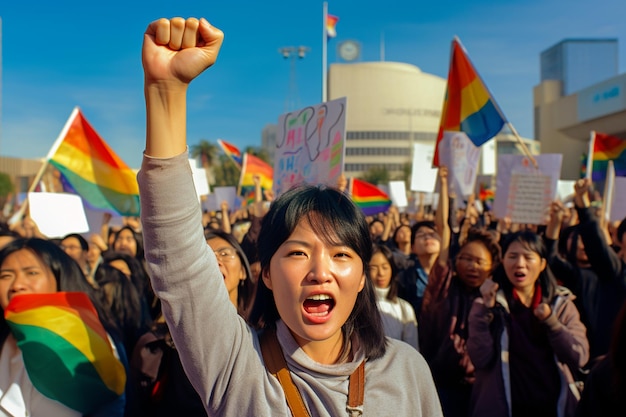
(62, 54)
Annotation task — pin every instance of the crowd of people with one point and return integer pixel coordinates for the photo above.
(314, 309)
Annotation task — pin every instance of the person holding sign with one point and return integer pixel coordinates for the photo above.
(318, 346)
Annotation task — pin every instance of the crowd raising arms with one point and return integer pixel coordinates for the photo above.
(314, 247)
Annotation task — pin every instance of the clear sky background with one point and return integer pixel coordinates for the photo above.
(60, 54)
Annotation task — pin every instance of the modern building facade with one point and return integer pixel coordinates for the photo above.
(566, 115)
(390, 106)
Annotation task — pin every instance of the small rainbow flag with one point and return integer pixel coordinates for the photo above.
(253, 165)
(605, 148)
(331, 22)
(92, 170)
(485, 193)
(468, 105)
(231, 151)
(66, 351)
(371, 199)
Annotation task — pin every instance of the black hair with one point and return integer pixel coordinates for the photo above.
(621, 229)
(245, 292)
(337, 219)
(535, 243)
(490, 242)
(138, 240)
(424, 223)
(81, 240)
(123, 301)
(67, 273)
(392, 295)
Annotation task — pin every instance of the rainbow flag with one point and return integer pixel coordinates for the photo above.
(468, 105)
(253, 165)
(92, 170)
(231, 151)
(66, 351)
(371, 199)
(485, 193)
(331, 22)
(604, 148)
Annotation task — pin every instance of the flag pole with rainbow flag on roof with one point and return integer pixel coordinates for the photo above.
(468, 105)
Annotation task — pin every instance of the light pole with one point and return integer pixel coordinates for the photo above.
(293, 53)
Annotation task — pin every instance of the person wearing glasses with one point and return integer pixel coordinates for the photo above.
(453, 284)
(426, 245)
(235, 268)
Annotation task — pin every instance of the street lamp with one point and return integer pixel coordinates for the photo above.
(293, 53)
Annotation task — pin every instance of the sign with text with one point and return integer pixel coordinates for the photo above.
(524, 191)
(310, 146)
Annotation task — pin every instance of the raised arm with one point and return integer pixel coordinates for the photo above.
(193, 46)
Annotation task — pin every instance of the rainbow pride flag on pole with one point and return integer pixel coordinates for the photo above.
(468, 105)
(253, 165)
(232, 152)
(66, 351)
(602, 149)
(331, 23)
(92, 170)
(371, 199)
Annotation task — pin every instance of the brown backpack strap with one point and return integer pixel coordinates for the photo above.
(276, 364)
(356, 387)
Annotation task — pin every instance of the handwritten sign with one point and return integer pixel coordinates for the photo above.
(524, 191)
(528, 198)
(310, 146)
(461, 156)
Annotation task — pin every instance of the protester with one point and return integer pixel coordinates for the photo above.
(314, 247)
(235, 268)
(525, 337)
(76, 247)
(37, 266)
(426, 247)
(452, 287)
(122, 300)
(592, 270)
(605, 386)
(398, 316)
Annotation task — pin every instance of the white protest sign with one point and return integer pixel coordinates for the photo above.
(618, 202)
(461, 156)
(221, 194)
(423, 175)
(564, 189)
(310, 146)
(524, 192)
(397, 194)
(199, 179)
(58, 214)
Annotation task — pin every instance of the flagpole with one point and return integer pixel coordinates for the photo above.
(324, 49)
(22, 210)
(520, 140)
(592, 140)
(499, 110)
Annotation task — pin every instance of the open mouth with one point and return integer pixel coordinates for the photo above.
(319, 305)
